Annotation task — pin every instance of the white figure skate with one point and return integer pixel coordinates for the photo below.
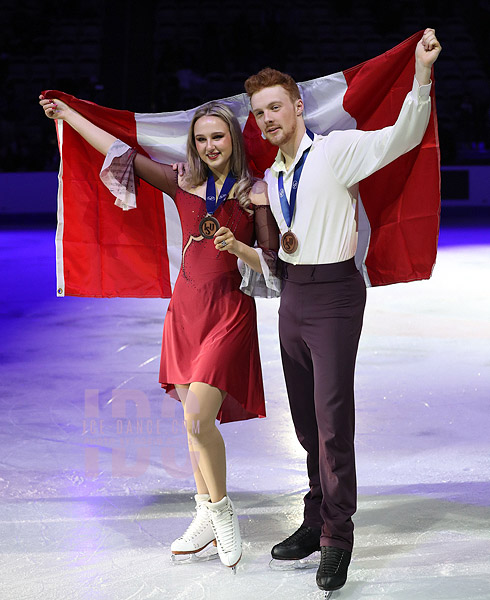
(226, 530)
(192, 545)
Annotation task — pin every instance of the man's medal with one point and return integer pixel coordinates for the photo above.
(209, 225)
(289, 241)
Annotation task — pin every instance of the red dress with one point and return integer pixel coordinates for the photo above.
(210, 330)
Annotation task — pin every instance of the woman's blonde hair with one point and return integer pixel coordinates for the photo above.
(197, 171)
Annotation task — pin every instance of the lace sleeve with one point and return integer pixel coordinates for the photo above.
(118, 174)
(268, 283)
(266, 229)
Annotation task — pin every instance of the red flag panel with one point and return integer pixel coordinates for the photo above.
(108, 252)
(402, 200)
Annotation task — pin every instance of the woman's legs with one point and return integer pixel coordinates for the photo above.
(201, 403)
(201, 487)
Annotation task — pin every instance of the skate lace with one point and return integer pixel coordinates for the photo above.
(199, 523)
(330, 560)
(223, 529)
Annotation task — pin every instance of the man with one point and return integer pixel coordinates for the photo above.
(313, 194)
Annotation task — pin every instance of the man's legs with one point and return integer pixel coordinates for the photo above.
(332, 327)
(298, 373)
(320, 321)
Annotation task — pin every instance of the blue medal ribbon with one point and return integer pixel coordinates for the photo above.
(288, 206)
(211, 202)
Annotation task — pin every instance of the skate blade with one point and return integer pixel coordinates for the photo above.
(310, 562)
(209, 553)
(233, 567)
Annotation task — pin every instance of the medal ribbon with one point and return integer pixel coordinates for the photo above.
(211, 202)
(288, 206)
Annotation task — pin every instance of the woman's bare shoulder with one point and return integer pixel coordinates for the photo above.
(197, 190)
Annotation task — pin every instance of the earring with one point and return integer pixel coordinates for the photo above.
(263, 136)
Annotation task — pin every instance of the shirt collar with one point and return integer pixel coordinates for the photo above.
(279, 164)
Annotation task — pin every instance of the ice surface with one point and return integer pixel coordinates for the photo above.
(89, 507)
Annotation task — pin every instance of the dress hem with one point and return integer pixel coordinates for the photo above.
(240, 414)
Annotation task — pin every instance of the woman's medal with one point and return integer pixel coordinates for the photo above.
(289, 241)
(209, 225)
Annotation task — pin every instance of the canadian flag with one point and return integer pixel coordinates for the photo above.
(103, 251)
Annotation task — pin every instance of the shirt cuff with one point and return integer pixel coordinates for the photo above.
(421, 92)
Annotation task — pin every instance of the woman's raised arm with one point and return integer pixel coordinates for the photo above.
(160, 176)
(95, 136)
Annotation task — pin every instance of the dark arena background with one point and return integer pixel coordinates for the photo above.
(91, 500)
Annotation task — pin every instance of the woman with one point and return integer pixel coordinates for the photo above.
(210, 357)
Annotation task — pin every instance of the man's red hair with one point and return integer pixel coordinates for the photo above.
(269, 77)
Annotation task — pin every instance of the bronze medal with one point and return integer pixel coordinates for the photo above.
(289, 242)
(208, 226)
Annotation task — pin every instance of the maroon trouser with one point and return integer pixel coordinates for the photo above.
(320, 321)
